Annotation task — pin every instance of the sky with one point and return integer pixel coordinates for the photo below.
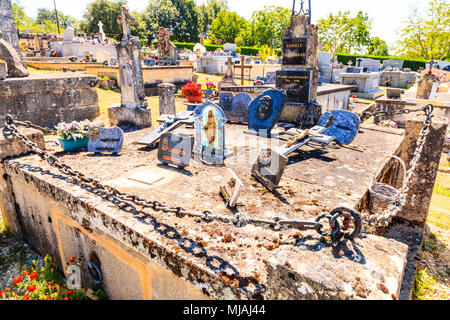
(386, 15)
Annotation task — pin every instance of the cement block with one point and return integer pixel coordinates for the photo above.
(140, 118)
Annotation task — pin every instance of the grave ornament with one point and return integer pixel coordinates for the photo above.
(336, 125)
(264, 111)
(172, 122)
(103, 140)
(230, 188)
(235, 106)
(209, 127)
(176, 149)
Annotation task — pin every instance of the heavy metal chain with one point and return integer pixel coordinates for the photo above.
(394, 208)
(367, 115)
(238, 220)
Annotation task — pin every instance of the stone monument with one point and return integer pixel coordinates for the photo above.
(8, 26)
(299, 74)
(425, 85)
(102, 36)
(228, 79)
(166, 49)
(13, 60)
(133, 109)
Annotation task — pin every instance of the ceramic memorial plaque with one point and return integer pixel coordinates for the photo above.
(209, 127)
(296, 83)
(231, 187)
(239, 108)
(269, 168)
(226, 101)
(271, 77)
(106, 140)
(264, 111)
(343, 128)
(175, 149)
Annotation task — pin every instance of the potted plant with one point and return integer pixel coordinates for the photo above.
(408, 85)
(193, 92)
(73, 136)
(3, 70)
(210, 87)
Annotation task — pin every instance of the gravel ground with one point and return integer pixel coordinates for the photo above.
(15, 256)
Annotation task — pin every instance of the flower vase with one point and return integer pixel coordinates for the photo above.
(207, 93)
(71, 145)
(195, 99)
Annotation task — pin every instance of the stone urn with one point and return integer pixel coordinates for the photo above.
(3, 70)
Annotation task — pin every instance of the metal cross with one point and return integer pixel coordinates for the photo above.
(302, 9)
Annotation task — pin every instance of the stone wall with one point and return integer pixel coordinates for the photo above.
(48, 99)
(7, 24)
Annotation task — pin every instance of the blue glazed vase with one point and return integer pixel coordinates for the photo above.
(70, 145)
(207, 93)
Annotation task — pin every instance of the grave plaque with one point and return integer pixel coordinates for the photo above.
(176, 149)
(106, 140)
(269, 168)
(296, 83)
(239, 108)
(209, 128)
(226, 101)
(231, 187)
(294, 51)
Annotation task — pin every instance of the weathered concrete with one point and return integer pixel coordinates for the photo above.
(166, 93)
(7, 25)
(397, 79)
(12, 59)
(64, 219)
(139, 118)
(47, 99)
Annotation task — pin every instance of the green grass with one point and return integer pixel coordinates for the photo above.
(423, 285)
(441, 190)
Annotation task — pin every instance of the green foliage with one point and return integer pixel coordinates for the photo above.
(107, 12)
(343, 33)
(48, 14)
(267, 27)
(378, 47)
(182, 17)
(441, 190)
(413, 64)
(209, 12)
(427, 37)
(100, 294)
(24, 23)
(423, 284)
(265, 52)
(227, 26)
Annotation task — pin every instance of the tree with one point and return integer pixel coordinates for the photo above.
(343, 33)
(107, 12)
(227, 26)
(378, 47)
(49, 15)
(210, 10)
(24, 23)
(427, 37)
(182, 17)
(268, 26)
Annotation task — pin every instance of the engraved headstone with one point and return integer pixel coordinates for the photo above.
(176, 149)
(390, 63)
(271, 77)
(239, 108)
(226, 101)
(296, 83)
(343, 128)
(209, 128)
(231, 187)
(372, 65)
(106, 140)
(294, 51)
(264, 112)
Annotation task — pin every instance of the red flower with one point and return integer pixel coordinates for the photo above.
(69, 293)
(31, 288)
(33, 275)
(49, 284)
(7, 290)
(24, 273)
(17, 280)
(66, 298)
(26, 298)
(1, 293)
(49, 298)
(72, 259)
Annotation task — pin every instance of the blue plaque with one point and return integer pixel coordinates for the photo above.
(265, 110)
(106, 140)
(226, 101)
(175, 149)
(343, 128)
(239, 108)
(209, 128)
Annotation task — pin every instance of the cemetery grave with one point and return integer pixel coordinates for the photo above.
(216, 203)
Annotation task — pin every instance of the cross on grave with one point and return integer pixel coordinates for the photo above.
(201, 36)
(350, 63)
(100, 27)
(336, 125)
(431, 63)
(126, 20)
(242, 66)
(228, 79)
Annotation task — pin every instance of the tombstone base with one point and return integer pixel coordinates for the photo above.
(372, 95)
(210, 159)
(139, 118)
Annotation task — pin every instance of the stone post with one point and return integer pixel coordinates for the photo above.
(12, 147)
(422, 183)
(166, 93)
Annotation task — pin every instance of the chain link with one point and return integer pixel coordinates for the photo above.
(238, 220)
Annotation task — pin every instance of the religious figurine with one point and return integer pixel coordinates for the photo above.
(125, 19)
(210, 128)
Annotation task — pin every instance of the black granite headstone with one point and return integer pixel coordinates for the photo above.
(296, 83)
(294, 51)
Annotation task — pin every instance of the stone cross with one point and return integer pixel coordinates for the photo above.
(350, 62)
(202, 38)
(125, 19)
(431, 63)
(101, 32)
